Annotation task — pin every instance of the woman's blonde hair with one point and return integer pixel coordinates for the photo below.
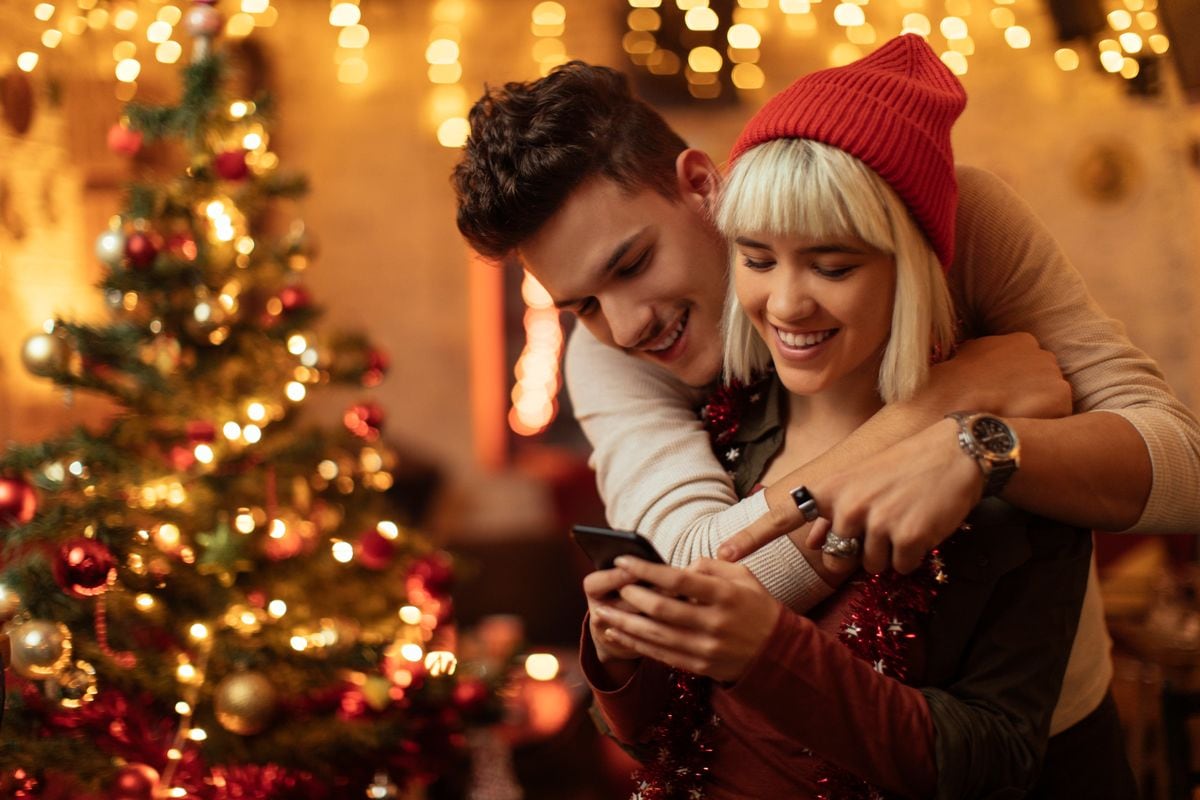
(798, 187)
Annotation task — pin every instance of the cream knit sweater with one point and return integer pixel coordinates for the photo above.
(656, 472)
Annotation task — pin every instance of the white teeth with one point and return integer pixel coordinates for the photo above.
(670, 340)
(803, 339)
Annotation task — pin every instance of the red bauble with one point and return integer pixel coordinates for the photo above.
(134, 782)
(377, 367)
(231, 165)
(141, 249)
(18, 501)
(200, 431)
(84, 567)
(435, 572)
(364, 420)
(182, 458)
(124, 140)
(375, 551)
(295, 298)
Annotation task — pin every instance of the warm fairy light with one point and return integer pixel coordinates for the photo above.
(239, 26)
(256, 411)
(327, 469)
(255, 6)
(144, 602)
(848, 15)
(231, 431)
(795, 6)
(128, 69)
(204, 454)
(252, 434)
(1002, 17)
(643, 19)
(167, 535)
(388, 529)
(541, 666)
(238, 109)
(295, 391)
(276, 608)
(704, 59)
(44, 11)
(444, 73)
(310, 357)
(297, 344)
(27, 61)
(97, 18)
(956, 62)
(76, 25)
(410, 615)
(244, 245)
(440, 662)
(1130, 42)
(299, 643)
(168, 52)
(743, 36)
(701, 18)
(343, 552)
(354, 37)
(865, 34)
(953, 27)
(178, 791)
(51, 38)
(278, 529)
(645, 3)
(1120, 19)
(1112, 60)
(343, 14)
(197, 734)
(965, 46)
(1018, 37)
(174, 754)
(353, 70)
(1130, 69)
(411, 652)
(1147, 20)
(453, 132)
(1158, 43)
(1066, 59)
(124, 19)
(185, 673)
(442, 51)
(748, 76)
(198, 631)
(534, 403)
(169, 14)
(183, 708)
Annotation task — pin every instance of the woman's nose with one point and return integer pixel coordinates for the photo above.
(790, 298)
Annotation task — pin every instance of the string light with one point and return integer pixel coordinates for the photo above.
(537, 373)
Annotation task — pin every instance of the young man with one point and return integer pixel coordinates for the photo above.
(608, 208)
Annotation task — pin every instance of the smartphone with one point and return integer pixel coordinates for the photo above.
(603, 545)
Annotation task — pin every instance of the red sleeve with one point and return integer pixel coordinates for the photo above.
(631, 708)
(810, 687)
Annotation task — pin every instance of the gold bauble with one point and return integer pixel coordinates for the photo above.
(245, 702)
(10, 603)
(77, 685)
(44, 355)
(40, 648)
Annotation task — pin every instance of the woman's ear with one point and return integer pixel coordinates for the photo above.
(697, 177)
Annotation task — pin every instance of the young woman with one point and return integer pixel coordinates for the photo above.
(840, 206)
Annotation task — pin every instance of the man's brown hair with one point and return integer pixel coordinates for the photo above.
(534, 143)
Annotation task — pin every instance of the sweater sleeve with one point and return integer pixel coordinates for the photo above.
(657, 474)
(1019, 279)
(624, 712)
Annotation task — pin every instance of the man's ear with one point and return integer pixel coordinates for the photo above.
(697, 177)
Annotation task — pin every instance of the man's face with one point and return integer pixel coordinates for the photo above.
(643, 274)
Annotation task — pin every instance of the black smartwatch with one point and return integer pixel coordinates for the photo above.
(992, 443)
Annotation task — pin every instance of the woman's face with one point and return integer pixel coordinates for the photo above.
(823, 307)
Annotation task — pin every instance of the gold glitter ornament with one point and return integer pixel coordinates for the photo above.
(40, 648)
(245, 702)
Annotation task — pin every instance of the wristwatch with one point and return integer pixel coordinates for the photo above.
(992, 443)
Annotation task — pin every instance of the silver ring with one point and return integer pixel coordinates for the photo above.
(840, 546)
(805, 502)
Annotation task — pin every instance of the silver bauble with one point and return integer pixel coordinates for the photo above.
(40, 648)
(44, 354)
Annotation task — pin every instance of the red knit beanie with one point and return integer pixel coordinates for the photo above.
(891, 110)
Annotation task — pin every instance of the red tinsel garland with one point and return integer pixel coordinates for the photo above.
(680, 744)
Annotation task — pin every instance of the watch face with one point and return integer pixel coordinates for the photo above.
(993, 435)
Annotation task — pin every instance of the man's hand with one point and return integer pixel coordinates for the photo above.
(903, 502)
(1008, 375)
(711, 618)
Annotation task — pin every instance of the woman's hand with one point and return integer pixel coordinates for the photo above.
(711, 618)
(601, 589)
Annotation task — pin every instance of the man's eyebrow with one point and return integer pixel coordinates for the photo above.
(615, 258)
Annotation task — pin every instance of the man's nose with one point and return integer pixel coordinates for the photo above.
(629, 322)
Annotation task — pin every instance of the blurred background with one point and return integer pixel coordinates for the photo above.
(1088, 108)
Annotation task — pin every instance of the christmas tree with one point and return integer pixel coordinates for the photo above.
(205, 598)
